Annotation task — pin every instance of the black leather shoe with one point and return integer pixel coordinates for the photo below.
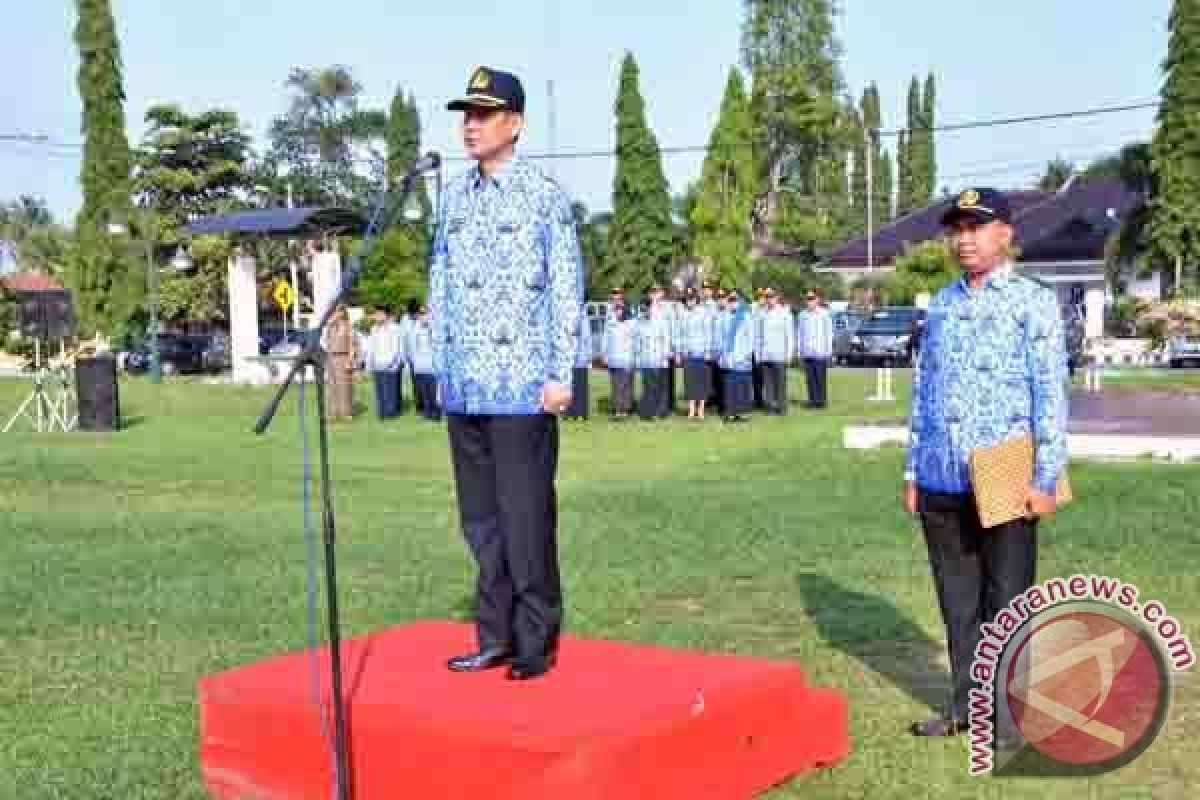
(939, 726)
(528, 670)
(489, 658)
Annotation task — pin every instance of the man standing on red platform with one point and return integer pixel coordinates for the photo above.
(506, 286)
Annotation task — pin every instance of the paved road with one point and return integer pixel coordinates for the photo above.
(1152, 412)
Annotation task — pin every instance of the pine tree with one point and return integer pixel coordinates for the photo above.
(108, 290)
(721, 216)
(929, 149)
(397, 270)
(790, 48)
(640, 241)
(883, 193)
(913, 169)
(868, 145)
(1172, 235)
(903, 171)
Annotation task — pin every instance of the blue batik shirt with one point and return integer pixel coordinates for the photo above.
(420, 347)
(814, 334)
(652, 337)
(737, 338)
(619, 343)
(776, 336)
(698, 332)
(506, 290)
(992, 366)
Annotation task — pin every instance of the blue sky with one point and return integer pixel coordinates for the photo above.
(992, 60)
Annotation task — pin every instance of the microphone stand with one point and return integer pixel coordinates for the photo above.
(313, 355)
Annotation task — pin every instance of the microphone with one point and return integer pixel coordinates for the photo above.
(426, 163)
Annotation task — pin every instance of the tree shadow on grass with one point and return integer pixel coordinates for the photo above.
(869, 628)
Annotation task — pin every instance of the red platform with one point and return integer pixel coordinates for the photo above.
(613, 721)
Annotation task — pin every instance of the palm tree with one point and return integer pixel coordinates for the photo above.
(35, 240)
(322, 132)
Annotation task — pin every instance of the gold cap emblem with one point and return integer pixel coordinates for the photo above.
(968, 199)
(481, 79)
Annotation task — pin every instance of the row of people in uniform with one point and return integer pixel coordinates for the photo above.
(391, 346)
(734, 355)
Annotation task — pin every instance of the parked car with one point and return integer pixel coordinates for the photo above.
(845, 325)
(890, 337)
(182, 354)
(1183, 350)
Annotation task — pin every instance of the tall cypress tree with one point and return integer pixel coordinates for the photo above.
(912, 170)
(107, 288)
(397, 270)
(903, 171)
(929, 121)
(721, 214)
(869, 146)
(1173, 232)
(883, 193)
(640, 245)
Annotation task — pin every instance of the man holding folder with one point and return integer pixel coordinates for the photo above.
(992, 370)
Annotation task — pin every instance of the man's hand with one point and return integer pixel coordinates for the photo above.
(1041, 504)
(556, 397)
(910, 498)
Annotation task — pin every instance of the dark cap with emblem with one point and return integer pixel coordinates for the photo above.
(490, 88)
(982, 205)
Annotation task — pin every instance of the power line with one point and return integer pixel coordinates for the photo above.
(27, 138)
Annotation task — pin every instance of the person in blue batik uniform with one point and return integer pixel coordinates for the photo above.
(506, 293)
(814, 335)
(619, 349)
(698, 334)
(652, 354)
(776, 344)
(737, 358)
(580, 374)
(384, 359)
(419, 351)
(992, 367)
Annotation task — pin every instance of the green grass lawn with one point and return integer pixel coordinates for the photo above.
(133, 563)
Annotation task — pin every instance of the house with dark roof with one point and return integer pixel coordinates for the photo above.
(1061, 236)
(44, 307)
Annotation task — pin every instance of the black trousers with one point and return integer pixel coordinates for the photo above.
(816, 370)
(774, 389)
(717, 398)
(504, 472)
(621, 398)
(977, 572)
(669, 392)
(738, 387)
(579, 394)
(757, 371)
(652, 400)
(387, 393)
(427, 403)
(418, 400)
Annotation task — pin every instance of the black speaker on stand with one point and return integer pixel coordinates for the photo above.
(96, 393)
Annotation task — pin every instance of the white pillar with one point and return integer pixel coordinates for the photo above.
(326, 278)
(243, 320)
(1093, 305)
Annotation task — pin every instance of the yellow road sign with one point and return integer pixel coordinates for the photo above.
(284, 295)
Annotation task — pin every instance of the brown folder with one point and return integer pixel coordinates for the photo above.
(1001, 475)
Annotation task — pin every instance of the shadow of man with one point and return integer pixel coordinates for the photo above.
(878, 635)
